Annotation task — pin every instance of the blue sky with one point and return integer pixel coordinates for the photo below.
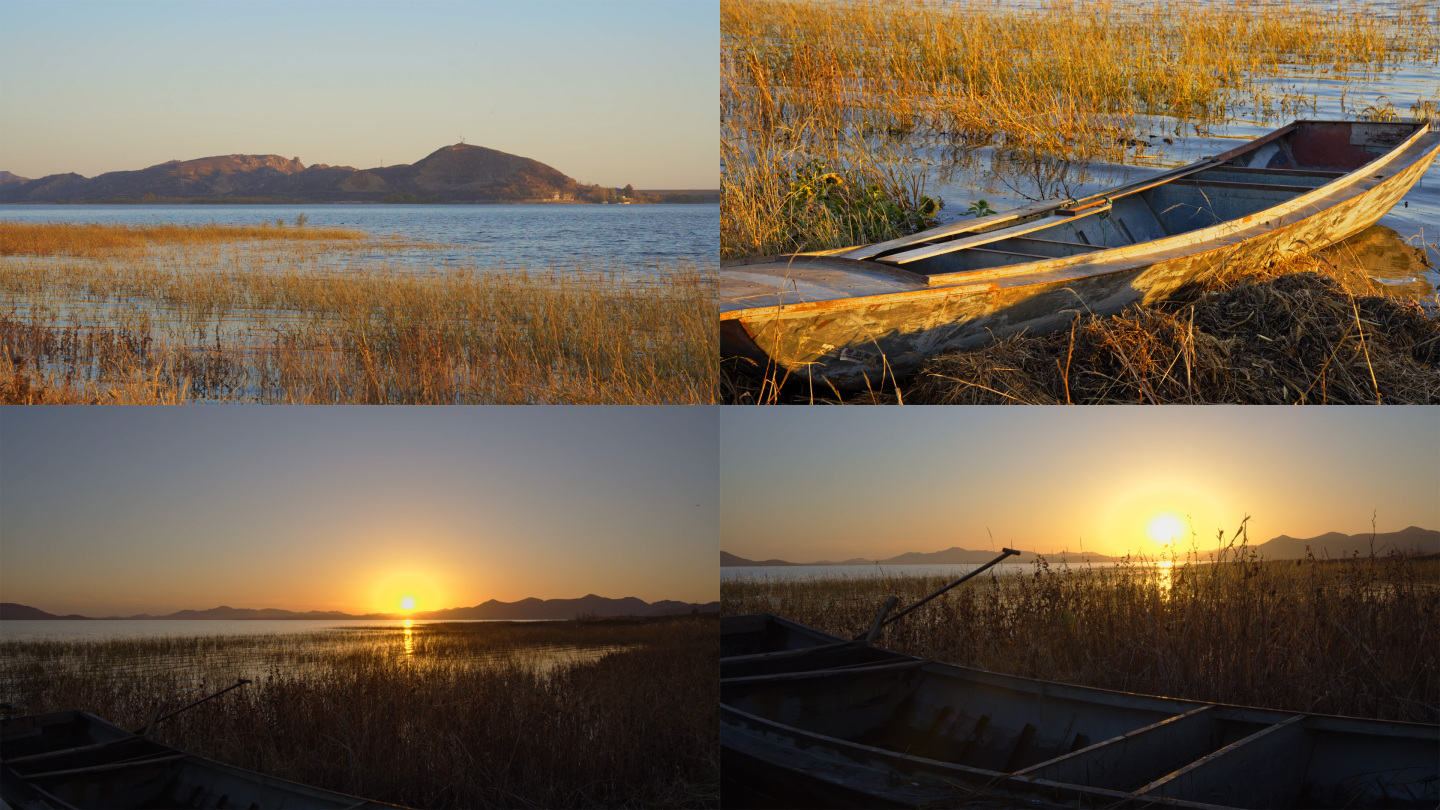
(607, 92)
(129, 510)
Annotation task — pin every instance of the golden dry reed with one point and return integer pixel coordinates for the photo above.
(95, 239)
(431, 728)
(1312, 330)
(1354, 636)
(850, 82)
(280, 323)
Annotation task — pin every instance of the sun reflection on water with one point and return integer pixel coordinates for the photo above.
(409, 638)
(1163, 575)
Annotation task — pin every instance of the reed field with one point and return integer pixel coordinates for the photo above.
(93, 239)
(852, 94)
(230, 314)
(1354, 636)
(414, 719)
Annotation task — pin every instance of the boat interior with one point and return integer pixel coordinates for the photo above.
(1267, 172)
(764, 633)
(1144, 746)
(72, 759)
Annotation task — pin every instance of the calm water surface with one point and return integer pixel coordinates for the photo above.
(106, 629)
(532, 236)
(796, 572)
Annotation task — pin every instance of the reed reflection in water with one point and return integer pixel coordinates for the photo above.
(199, 662)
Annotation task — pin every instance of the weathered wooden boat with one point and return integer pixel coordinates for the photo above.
(811, 720)
(856, 315)
(73, 759)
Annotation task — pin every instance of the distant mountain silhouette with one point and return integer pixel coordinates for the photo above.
(561, 609)
(950, 556)
(10, 177)
(10, 610)
(1412, 540)
(458, 173)
(589, 605)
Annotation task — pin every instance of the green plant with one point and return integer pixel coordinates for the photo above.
(980, 208)
(861, 209)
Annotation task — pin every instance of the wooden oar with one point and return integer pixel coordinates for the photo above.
(881, 621)
(1083, 205)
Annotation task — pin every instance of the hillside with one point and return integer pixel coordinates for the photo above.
(1411, 540)
(457, 173)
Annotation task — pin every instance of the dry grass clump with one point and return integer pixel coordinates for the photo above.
(272, 324)
(862, 84)
(94, 239)
(1302, 332)
(631, 729)
(1293, 339)
(1355, 636)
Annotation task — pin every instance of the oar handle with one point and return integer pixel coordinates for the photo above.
(1008, 552)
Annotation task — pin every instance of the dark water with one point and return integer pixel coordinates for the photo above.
(533, 236)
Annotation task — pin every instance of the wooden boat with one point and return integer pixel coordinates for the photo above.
(897, 731)
(73, 759)
(856, 315)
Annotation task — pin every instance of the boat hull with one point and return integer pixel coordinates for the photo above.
(861, 340)
(910, 732)
(75, 759)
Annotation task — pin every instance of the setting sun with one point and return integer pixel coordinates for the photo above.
(407, 603)
(1165, 528)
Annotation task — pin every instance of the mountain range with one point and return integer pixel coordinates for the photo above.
(1412, 540)
(554, 609)
(456, 173)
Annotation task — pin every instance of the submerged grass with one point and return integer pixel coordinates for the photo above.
(428, 728)
(1354, 636)
(863, 85)
(279, 323)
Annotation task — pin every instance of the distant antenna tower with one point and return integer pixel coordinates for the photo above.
(462, 137)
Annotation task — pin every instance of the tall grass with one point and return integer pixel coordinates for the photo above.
(278, 323)
(855, 83)
(93, 239)
(1354, 636)
(431, 729)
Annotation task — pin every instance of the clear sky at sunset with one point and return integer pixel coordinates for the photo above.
(124, 510)
(606, 92)
(806, 484)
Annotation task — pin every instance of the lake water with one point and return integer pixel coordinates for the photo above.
(531, 236)
(794, 572)
(108, 629)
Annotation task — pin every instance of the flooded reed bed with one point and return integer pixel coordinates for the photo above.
(874, 99)
(608, 713)
(283, 322)
(1353, 636)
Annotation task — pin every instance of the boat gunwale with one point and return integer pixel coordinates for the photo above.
(799, 743)
(1258, 714)
(901, 760)
(183, 759)
(1109, 260)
